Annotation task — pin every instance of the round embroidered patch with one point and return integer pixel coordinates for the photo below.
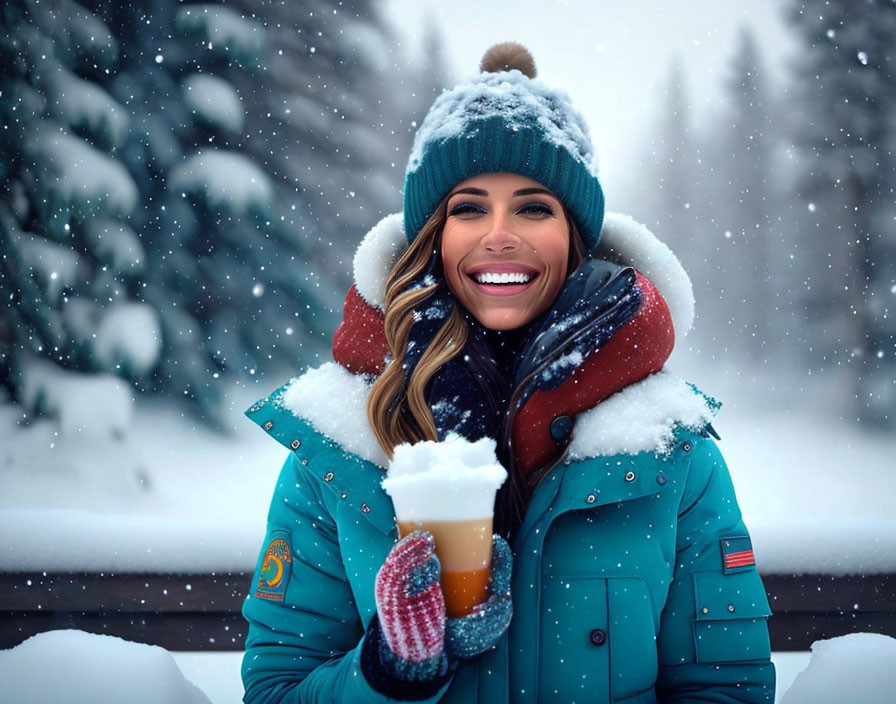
(276, 566)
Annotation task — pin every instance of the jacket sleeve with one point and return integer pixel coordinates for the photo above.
(305, 637)
(713, 642)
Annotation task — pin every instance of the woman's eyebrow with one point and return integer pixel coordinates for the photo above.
(469, 191)
(516, 194)
(531, 191)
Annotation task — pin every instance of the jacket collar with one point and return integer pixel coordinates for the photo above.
(643, 417)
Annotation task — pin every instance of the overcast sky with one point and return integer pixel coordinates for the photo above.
(611, 57)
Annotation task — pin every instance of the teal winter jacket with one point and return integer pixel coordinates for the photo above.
(633, 577)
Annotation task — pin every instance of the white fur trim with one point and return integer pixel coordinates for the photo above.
(627, 242)
(640, 418)
(375, 257)
(334, 401)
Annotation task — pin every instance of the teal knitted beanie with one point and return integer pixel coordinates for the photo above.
(504, 119)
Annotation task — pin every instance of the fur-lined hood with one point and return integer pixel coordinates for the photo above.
(641, 417)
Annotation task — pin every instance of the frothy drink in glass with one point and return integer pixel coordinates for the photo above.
(448, 488)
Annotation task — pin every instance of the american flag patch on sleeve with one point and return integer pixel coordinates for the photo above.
(737, 554)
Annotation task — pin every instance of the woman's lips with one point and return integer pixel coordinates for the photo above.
(502, 289)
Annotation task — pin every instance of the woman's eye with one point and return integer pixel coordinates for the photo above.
(465, 209)
(537, 209)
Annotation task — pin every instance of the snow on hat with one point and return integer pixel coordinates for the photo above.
(505, 119)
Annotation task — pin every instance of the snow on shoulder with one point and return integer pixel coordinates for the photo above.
(641, 418)
(343, 417)
(447, 481)
(85, 668)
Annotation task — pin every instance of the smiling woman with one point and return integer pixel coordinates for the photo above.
(495, 315)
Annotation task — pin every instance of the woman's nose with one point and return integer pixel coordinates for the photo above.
(500, 238)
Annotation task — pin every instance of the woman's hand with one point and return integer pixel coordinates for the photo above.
(471, 635)
(411, 610)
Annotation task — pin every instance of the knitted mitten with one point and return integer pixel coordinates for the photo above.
(470, 635)
(411, 610)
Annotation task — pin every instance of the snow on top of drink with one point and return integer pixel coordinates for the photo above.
(451, 480)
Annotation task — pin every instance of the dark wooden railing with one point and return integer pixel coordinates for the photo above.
(202, 611)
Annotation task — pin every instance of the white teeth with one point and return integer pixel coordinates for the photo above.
(505, 278)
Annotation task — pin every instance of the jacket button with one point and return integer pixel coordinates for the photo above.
(560, 428)
(365, 508)
(686, 446)
(629, 476)
(328, 477)
(295, 444)
(731, 608)
(268, 425)
(661, 479)
(598, 636)
(590, 499)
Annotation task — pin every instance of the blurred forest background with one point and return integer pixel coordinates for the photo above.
(182, 186)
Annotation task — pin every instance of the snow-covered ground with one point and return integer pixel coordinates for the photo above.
(169, 495)
(96, 669)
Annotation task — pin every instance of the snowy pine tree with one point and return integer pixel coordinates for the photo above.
(211, 165)
(744, 208)
(846, 86)
(72, 266)
(676, 161)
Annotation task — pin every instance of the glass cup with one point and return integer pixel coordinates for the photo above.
(464, 549)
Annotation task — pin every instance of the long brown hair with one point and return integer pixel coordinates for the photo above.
(396, 405)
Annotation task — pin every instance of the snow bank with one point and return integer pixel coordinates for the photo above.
(813, 545)
(168, 496)
(67, 540)
(83, 668)
(97, 404)
(859, 667)
(450, 480)
(215, 101)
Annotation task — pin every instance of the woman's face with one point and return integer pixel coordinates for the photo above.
(505, 248)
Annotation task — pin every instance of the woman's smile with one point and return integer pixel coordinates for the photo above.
(502, 279)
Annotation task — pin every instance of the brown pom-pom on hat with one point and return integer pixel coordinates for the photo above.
(506, 57)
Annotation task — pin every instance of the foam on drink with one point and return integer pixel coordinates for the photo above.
(448, 488)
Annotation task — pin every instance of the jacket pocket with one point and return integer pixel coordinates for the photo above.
(632, 641)
(730, 621)
(597, 640)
